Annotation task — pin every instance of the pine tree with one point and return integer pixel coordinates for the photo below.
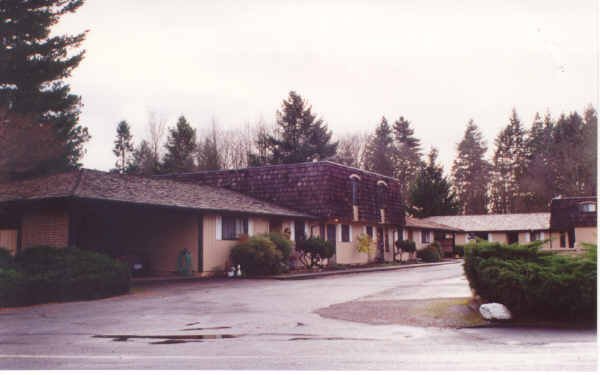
(408, 156)
(471, 172)
(300, 136)
(590, 151)
(380, 148)
(572, 173)
(181, 146)
(123, 147)
(209, 158)
(33, 65)
(144, 161)
(537, 184)
(431, 194)
(510, 164)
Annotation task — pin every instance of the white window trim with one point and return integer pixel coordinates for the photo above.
(542, 235)
(292, 231)
(350, 231)
(489, 237)
(250, 227)
(338, 233)
(219, 226)
(527, 237)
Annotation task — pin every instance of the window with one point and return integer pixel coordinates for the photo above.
(537, 235)
(381, 193)
(299, 230)
(354, 178)
(233, 227)
(370, 232)
(588, 207)
(345, 233)
(563, 239)
(425, 236)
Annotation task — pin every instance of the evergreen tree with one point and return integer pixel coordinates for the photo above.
(573, 170)
(510, 163)
(537, 183)
(123, 147)
(181, 146)
(407, 156)
(431, 193)
(471, 172)
(33, 65)
(144, 161)
(378, 155)
(299, 137)
(209, 158)
(590, 151)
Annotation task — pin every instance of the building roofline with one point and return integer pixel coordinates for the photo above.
(282, 166)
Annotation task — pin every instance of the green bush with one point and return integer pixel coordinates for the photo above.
(45, 274)
(531, 282)
(429, 254)
(406, 245)
(312, 251)
(459, 250)
(6, 258)
(257, 256)
(282, 243)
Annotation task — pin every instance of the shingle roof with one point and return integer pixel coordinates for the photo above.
(567, 213)
(92, 184)
(496, 223)
(322, 189)
(413, 222)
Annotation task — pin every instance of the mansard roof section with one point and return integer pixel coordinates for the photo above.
(322, 189)
(571, 212)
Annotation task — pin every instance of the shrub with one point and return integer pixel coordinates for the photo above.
(282, 243)
(314, 250)
(429, 254)
(257, 256)
(6, 258)
(459, 250)
(406, 245)
(365, 244)
(45, 274)
(531, 282)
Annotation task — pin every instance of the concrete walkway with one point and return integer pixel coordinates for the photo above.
(312, 275)
(296, 276)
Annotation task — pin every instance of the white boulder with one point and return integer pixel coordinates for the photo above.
(494, 311)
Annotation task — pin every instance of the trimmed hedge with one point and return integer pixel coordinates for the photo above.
(429, 254)
(257, 256)
(46, 274)
(531, 282)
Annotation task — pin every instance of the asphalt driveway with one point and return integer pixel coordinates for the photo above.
(273, 324)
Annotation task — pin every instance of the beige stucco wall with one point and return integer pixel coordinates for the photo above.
(347, 252)
(216, 252)
(460, 239)
(586, 234)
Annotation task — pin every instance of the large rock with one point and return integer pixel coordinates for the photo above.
(494, 311)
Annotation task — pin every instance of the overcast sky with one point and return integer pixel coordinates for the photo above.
(437, 63)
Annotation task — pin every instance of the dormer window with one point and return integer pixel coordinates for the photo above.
(587, 207)
(381, 193)
(354, 178)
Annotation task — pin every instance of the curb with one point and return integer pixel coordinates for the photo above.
(314, 275)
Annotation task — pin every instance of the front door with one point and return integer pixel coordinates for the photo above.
(380, 244)
(331, 236)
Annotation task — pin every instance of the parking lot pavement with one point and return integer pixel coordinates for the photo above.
(272, 324)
